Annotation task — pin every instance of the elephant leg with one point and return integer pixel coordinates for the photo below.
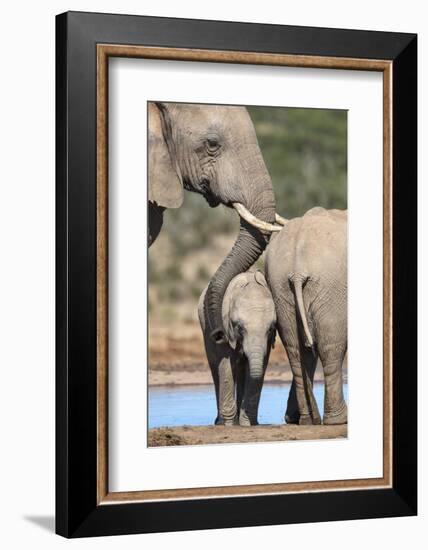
(227, 401)
(248, 415)
(297, 399)
(215, 354)
(309, 365)
(240, 383)
(155, 222)
(214, 373)
(292, 414)
(302, 406)
(248, 412)
(335, 408)
(288, 332)
(308, 362)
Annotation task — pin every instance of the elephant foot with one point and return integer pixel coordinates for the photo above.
(309, 420)
(292, 418)
(245, 421)
(339, 416)
(305, 420)
(234, 422)
(220, 421)
(316, 420)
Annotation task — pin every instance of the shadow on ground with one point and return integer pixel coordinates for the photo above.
(45, 522)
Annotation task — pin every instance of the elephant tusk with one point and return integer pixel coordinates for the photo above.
(251, 219)
(280, 220)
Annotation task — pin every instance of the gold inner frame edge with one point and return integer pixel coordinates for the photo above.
(104, 51)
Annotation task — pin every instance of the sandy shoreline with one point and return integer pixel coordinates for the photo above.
(189, 375)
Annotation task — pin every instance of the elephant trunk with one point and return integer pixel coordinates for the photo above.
(255, 364)
(248, 247)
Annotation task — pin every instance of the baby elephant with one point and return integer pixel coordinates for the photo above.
(238, 367)
(306, 268)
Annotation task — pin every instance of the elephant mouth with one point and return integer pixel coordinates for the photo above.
(209, 196)
(211, 200)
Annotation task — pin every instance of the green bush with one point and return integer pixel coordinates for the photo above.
(305, 151)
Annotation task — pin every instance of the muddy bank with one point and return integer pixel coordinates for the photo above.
(207, 435)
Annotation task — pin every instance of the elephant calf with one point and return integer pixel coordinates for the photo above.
(238, 366)
(306, 269)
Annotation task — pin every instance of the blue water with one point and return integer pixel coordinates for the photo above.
(195, 405)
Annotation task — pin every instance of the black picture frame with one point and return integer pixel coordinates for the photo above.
(77, 511)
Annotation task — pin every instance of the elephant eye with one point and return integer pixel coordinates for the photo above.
(213, 144)
(237, 327)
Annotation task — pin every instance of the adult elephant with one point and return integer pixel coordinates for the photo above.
(211, 150)
(306, 269)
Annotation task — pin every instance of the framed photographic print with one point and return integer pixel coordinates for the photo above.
(236, 274)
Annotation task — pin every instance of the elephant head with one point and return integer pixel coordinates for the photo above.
(212, 150)
(251, 320)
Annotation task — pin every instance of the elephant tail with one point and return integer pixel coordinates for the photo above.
(298, 281)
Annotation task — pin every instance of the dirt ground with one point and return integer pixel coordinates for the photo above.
(176, 359)
(206, 435)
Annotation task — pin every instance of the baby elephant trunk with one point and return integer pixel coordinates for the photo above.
(256, 364)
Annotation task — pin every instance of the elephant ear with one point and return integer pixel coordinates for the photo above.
(165, 186)
(227, 323)
(260, 278)
(231, 337)
(237, 285)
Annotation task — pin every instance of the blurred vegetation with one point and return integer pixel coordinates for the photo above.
(305, 151)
